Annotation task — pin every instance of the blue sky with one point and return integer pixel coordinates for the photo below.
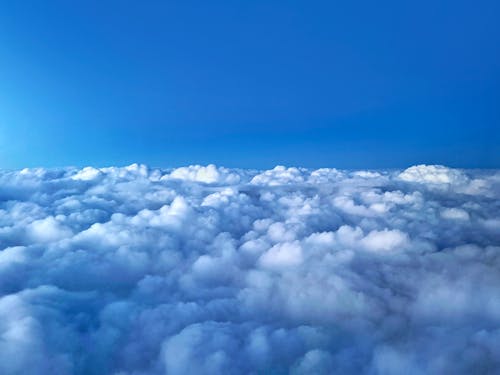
(356, 84)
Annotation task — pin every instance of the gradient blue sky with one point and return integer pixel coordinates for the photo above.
(353, 84)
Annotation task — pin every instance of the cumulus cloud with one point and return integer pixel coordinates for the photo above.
(434, 174)
(209, 270)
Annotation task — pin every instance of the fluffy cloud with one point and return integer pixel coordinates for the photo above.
(202, 269)
(433, 174)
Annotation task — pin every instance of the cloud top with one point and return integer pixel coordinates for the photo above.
(204, 269)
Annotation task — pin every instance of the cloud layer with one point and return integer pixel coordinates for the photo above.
(207, 270)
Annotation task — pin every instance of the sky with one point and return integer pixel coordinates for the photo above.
(355, 84)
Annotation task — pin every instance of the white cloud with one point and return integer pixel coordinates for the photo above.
(86, 174)
(434, 174)
(48, 229)
(204, 269)
(454, 213)
(384, 240)
(209, 174)
(282, 256)
(280, 175)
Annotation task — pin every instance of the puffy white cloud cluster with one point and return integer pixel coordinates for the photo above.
(206, 270)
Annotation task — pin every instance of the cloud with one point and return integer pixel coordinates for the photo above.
(209, 174)
(455, 214)
(433, 174)
(204, 269)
